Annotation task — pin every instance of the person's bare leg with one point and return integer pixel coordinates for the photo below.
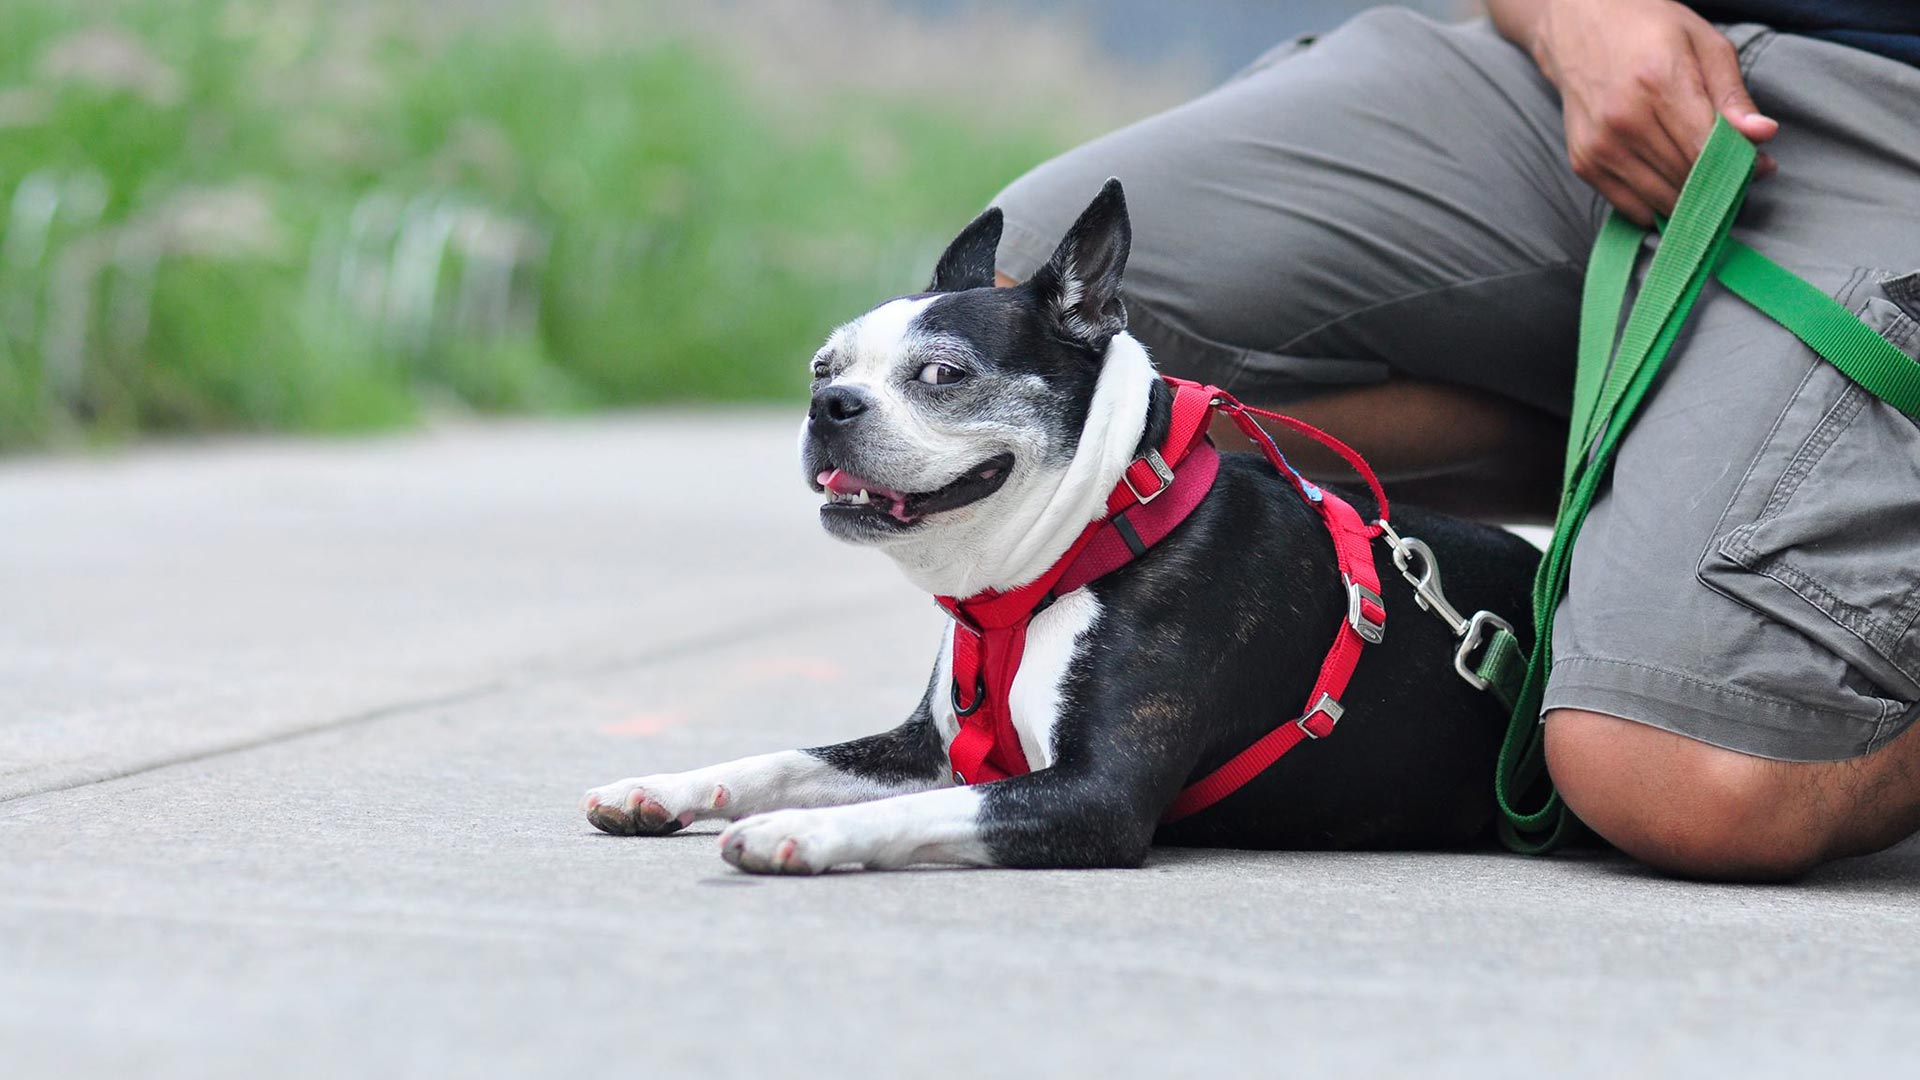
(1696, 810)
(1450, 448)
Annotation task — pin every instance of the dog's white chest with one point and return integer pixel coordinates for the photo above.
(1053, 643)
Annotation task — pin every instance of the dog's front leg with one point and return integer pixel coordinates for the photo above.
(907, 759)
(1055, 818)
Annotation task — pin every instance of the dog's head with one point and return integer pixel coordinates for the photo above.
(949, 424)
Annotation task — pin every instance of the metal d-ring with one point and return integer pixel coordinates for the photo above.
(979, 695)
(1479, 631)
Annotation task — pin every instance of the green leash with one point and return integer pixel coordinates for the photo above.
(1610, 383)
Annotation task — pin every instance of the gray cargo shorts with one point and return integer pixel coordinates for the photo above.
(1393, 200)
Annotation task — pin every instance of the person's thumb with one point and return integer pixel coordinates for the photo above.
(1720, 70)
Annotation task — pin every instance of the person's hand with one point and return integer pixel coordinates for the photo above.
(1640, 82)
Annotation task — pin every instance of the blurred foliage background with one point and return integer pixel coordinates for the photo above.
(312, 215)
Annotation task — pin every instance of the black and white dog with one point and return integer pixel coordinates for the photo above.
(972, 433)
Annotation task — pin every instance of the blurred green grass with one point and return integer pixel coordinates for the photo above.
(284, 215)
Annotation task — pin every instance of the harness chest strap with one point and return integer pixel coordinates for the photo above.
(1157, 492)
(990, 628)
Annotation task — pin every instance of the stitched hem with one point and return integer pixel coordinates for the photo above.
(1754, 724)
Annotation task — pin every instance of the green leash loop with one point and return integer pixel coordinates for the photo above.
(1610, 383)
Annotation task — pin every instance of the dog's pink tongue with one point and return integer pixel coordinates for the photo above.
(841, 482)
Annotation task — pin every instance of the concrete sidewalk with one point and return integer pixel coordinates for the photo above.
(291, 736)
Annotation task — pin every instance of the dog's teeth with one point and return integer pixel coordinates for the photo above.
(846, 498)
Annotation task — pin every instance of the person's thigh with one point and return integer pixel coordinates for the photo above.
(1390, 199)
(1751, 578)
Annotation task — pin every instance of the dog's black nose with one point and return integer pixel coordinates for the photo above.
(837, 406)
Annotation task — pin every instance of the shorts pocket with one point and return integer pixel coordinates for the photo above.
(1823, 533)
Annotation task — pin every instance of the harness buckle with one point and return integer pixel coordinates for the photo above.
(1325, 706)
(960, 618)
(1160, 469)
(1369, 630)
(1475, 635)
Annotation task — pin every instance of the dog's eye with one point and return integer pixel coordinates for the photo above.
(938, 374)
(819, 369)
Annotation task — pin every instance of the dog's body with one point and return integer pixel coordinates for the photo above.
(973, 433)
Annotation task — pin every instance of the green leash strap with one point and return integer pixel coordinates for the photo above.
(1610, 383)
(1824, 326)
(1503, 667)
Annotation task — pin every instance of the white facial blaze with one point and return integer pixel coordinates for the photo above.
(906, 448)
(916, 455)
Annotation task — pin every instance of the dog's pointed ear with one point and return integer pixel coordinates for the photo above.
(1081, 283)
(968, 262)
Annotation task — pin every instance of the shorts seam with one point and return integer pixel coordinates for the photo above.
(1880, 725)
(1418, 294)
(1749, 54)
(1826, 431)
(1775, 727)
(1722, 532)
(1837, 609)
(1676, 675)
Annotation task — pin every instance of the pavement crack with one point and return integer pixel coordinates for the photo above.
(762, 626)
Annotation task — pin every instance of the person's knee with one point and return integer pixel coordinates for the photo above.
(1683, 806)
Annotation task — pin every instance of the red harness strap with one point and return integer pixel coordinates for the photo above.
(1157, 492)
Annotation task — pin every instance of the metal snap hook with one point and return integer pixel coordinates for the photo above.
(1426, 580)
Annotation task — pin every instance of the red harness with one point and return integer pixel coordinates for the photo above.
(1157, 492)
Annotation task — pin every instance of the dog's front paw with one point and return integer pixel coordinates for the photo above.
(784, 842)
(648, 805)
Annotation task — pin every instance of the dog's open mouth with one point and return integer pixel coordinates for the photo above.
(854, 497)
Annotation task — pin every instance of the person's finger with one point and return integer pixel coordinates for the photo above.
(1688, 113)
(1651, 191)
(1624, 198)
(1664, 145)
(1765, 167)
(1631, 128)
(1720, 71)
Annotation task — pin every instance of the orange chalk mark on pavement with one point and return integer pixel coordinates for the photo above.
(811, 668)
(641, 724)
